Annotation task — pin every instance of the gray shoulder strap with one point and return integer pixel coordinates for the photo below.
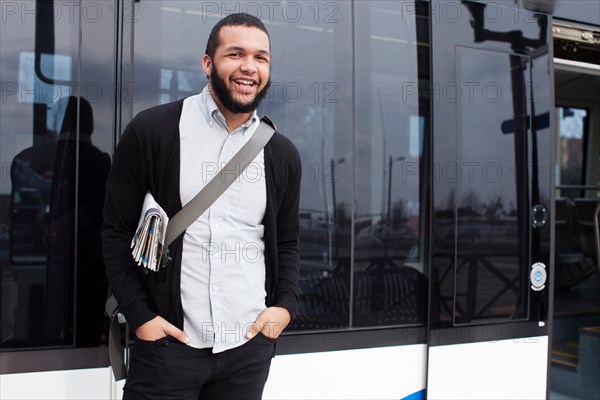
(220, 182)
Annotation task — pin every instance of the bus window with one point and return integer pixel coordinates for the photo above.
(369, 186)
(56, 125)
(570, 156)
(390, 271)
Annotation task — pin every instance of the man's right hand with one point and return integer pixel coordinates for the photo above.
(158, 328)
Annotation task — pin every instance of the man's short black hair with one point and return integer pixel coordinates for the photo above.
(239, 19)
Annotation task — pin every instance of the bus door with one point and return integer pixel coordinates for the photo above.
(490, 283)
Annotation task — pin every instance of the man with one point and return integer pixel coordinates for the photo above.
(206, 325)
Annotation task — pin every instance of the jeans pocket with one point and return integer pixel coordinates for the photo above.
(262, 337)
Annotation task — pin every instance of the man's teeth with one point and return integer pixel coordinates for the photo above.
(251, 83)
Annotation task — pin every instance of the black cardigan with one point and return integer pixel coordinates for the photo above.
(148, 158)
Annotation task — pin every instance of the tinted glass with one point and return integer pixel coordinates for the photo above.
(487, 175)
(311, 102)
(490, 162)
(392, 121)
(56, 133)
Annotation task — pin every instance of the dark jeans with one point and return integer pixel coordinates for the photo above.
(168, 369)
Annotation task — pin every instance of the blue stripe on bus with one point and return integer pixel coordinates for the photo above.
(420, 395)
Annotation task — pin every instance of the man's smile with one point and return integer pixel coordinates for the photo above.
(245, 85)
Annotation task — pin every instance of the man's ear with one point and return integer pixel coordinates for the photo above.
(206, 64)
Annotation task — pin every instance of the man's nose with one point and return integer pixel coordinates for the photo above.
(249, 65)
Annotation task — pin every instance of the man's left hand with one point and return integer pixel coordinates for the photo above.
(271, 322)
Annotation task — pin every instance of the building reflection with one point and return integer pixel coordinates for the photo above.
(387, 287)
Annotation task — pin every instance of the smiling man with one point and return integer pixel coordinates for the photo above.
(206, 325)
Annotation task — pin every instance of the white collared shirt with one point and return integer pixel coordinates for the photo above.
(223, 266)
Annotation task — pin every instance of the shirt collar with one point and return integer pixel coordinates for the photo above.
(211, 112)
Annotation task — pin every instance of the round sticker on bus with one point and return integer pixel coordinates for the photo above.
(538, 276)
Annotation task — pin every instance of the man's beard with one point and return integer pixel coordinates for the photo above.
(226, 98)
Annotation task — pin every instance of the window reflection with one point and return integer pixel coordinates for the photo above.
(390, 286)
(311, 103)
(78, 189)
(57, 195)
(54, 152)
(489, 170)
(488, 257)
(31, 177)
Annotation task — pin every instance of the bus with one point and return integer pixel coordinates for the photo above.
(450, 151)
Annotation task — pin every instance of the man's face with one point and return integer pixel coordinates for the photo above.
(239, 70)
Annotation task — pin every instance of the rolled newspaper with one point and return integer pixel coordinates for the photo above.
(148, 242)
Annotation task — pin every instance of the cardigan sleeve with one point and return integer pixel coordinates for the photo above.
(125, 190)
(287, 292)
